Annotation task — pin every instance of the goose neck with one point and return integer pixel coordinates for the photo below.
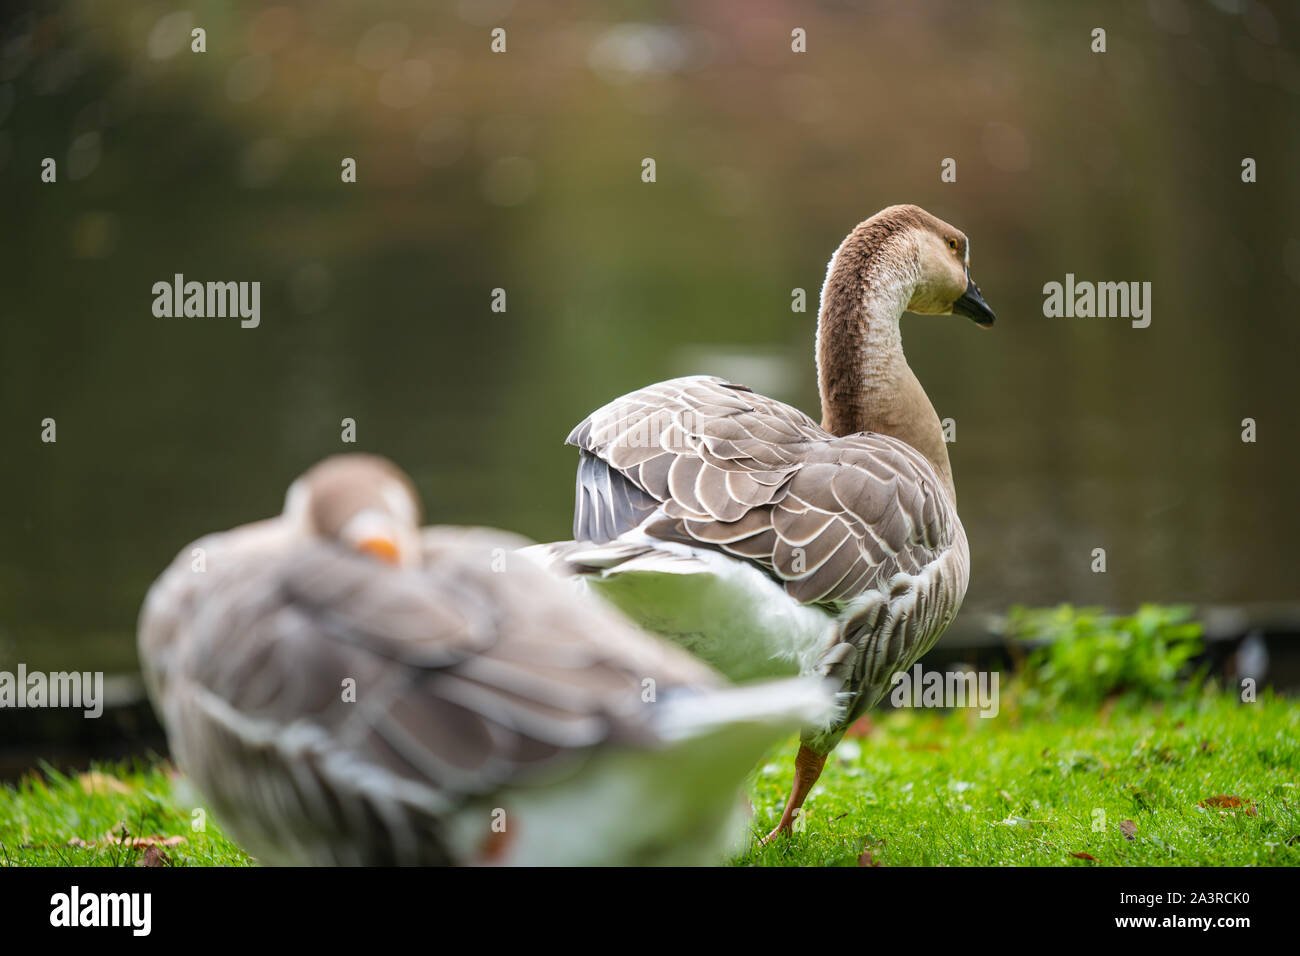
(865, 382)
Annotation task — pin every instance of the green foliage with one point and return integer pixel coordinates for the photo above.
(1090, 656)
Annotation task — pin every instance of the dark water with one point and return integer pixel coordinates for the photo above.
(522, 171)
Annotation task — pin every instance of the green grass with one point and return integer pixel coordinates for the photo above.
(921, 789)
(931, 789)
(46, 810)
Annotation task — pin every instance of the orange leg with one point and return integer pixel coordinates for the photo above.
(808, 766)
(495, 847)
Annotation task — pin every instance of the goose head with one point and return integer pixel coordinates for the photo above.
(363, 502)
(944, 285)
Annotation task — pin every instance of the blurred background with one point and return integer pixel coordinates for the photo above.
(522, 171)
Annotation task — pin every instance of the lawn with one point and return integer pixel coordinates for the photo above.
(1206, 781)
(122, 815)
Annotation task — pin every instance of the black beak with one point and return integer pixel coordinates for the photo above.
(973, 306)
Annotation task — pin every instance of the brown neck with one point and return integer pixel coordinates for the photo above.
(865, 382)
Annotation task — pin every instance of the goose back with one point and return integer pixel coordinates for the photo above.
(705, 462)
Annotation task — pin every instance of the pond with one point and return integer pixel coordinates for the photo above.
(516, 180)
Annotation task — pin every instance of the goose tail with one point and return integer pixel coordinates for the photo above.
(763, 710)
(629, 554)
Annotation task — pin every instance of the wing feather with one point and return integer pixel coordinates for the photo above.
(723, 467)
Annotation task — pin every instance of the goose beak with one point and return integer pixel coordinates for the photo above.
(385, 549)
(973, 306)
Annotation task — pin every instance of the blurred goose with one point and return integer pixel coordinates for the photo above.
(436, 705)
(768, 544)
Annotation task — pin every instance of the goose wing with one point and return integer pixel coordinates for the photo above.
(703, 461)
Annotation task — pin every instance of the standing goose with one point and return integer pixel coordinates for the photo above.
(767, 544)
(436, 706)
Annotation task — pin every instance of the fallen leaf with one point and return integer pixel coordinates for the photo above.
(95, 782)
(110, 840)
(154, 856)
(155, 841)
(1084, 856)
(1227, 803)
(1128, 828)
(1222, 800)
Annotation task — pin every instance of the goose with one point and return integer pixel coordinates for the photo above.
(346, 688)
(768, 544)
